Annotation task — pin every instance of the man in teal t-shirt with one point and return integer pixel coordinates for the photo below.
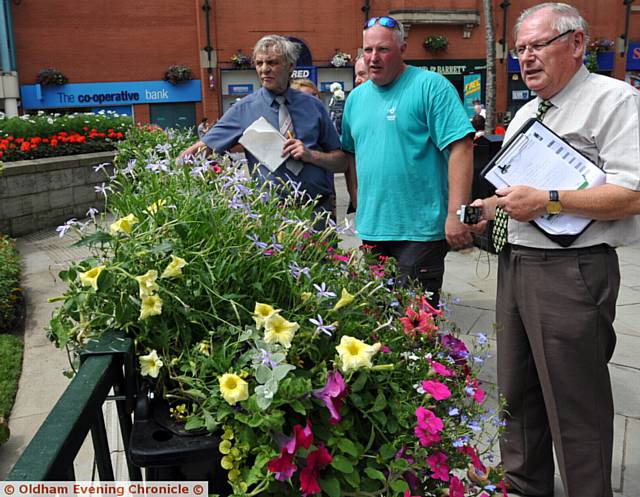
(414, 152)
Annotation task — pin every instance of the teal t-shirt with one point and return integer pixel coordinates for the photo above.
(400, 134)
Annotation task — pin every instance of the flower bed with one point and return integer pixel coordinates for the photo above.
(43, 135)
(317, 373)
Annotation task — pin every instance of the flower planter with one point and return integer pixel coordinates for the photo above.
(41, 193)
(168, 452)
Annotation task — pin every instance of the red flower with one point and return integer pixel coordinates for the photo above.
(302, 437)
(475, 460)
(456, 489)
(25, 147)
(283, 465)
(316, 461)
(420, 322)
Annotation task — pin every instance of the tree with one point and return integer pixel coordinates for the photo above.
(490, 84)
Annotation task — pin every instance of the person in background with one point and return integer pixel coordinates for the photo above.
(412, 143)
(305, 86)
(360, 70)
(555, 305)
(361, 76)
(203, 127)
(313, 140)
(477, 121)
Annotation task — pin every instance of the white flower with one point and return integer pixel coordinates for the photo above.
(335, 86)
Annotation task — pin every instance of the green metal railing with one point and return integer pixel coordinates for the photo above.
(105, 364)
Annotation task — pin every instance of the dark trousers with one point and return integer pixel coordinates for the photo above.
(554, 316)
(422, 262)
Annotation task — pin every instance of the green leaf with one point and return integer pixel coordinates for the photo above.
(194, 423)
(380, 403)
(94, 238)
(209, 421)
(374, 474)
(353, 479)
(387, 451)
(263, 374)
(298, 407)
(342, 464)
(193, 392)
(281, 371)
(330, 486)
(347, 446)
(360, 382)
(399, 485)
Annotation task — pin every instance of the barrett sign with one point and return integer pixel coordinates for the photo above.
(108, 94)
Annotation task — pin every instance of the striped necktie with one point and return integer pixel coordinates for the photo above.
(286, 129)
(500, 234)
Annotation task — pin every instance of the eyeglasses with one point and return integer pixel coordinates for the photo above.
(387, 22)
(537, 47)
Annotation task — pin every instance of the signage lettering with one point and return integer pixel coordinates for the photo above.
(301, 73)
(636, 53)
(99, 98)
(449, 70)
(472, 87)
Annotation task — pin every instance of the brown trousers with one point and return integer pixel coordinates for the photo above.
(554, 313)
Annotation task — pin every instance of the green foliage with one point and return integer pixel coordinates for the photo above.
(10, 369)
(51, 77)
(177, 73)
(10, 294)
(436, 43)
(267, 330)
(50, 135)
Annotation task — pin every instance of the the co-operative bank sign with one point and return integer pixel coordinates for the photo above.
(109, 94)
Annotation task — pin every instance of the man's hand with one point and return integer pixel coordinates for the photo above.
(523, 203)
(192, 150)
(457, 234)
(296, 149)
(488, 212)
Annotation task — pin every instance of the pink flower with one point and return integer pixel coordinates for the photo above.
(341, 258)
(420, 322)
(283, 465)
(441, 369)
(456, 488)
(428, 428)
(475, 460)
(478, 394)
(438, 390)
(437, 463)
(302, 437)
(332, 394)
(428, 308)
(316, 461)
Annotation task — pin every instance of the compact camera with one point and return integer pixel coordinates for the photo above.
(469, 214)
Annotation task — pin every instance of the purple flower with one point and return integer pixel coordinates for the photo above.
(332, 395)
(321, 327)
(456, 348)
(256, 241)
(102, 189)
(296, 270)
(323, 291)
(100, 167)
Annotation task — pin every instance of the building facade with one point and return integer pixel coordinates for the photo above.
(115, 53)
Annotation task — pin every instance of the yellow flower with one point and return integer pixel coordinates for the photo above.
(151, 306)
(355, 354)
(148, 283)
(174, 269)
(279, 330)
(150, 364)
(91, 277)
(345, 299)
(124, 224)
(204, 348)
(233, 389)
(306, 296)
(263, 312)
(153, 208)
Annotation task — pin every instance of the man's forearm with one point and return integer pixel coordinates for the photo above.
(607, 202)
(460, 173)
(334, 161)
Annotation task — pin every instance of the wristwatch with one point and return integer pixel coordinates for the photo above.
(554, 206)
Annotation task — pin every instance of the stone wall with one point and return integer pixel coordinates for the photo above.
(45, 193)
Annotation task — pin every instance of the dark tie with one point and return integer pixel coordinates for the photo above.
(286, 128)
(499, 234)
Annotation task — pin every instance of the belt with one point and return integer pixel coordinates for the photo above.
(603, 248)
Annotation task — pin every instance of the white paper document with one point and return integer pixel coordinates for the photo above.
(537, 157)
(265, 143)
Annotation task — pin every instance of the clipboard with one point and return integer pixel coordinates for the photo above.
(565, 168)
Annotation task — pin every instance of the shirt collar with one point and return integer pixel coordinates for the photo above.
(564, 96)
(270, 97)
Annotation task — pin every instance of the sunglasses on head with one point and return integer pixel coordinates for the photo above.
(386, 21)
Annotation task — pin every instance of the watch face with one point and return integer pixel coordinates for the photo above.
(554, 208)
